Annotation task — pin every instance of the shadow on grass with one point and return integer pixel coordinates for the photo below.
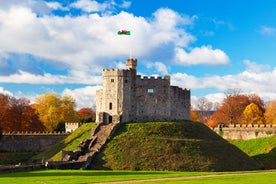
(267, 159)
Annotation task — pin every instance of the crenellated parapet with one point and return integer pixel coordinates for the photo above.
(244, 132)
(26, 133)
(154, 78)
(141, 98)
(247, 127)
(112, 72)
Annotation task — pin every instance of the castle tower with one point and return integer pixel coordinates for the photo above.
(127, 97)
(131, 64)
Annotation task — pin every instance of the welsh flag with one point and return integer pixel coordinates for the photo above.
(123, 32)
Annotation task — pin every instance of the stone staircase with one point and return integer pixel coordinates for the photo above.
(89, 147)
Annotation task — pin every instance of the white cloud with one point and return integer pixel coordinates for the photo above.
(215, 98)
(47, 78)
(56, 6)
(85, 97)
(202, 55)
(125, 4)
(90, 5)
(159, 67)
(254, 67)
(266, 30)
(255, 79)
(87, 43)
(6, 92)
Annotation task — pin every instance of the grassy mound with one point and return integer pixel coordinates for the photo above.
(174, 146)
(70, 143)
(262, 150)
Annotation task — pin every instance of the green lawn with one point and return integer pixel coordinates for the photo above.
(262, 150)
(254, 147)
(82, 177)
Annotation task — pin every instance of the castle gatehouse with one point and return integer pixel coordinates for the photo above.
(127, 97)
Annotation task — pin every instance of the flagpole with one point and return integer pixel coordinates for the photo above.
(130, 53)
(126, 32)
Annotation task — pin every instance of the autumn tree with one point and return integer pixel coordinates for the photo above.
(18, 115)
(53, 109)
(194, 115)
(68, 106)
(253, 98)
(233, 105)
(253, 114)
(270, 113)
(4, 108)
(204, 107)
(86, 115)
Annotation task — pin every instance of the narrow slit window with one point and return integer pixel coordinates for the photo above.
(150, 90)
(110, 106)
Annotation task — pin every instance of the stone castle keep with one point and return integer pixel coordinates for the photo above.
(127, 97)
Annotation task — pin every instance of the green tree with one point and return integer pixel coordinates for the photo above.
(253, 114)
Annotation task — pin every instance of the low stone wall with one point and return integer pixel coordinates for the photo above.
(28, 142)
(244, 132)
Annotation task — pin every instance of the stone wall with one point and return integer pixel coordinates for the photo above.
(28, 142)
(152, 99)
(70, 127)
(244, 132)
(180, 103)
(134, 98)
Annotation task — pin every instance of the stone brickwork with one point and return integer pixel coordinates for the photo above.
(70, 127)
(129, 97)
(244, 132)
(29, 142)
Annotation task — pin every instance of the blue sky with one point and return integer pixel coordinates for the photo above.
(207, 46)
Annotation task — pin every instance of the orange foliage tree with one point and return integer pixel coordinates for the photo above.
(86, 115)
(18, 115)
(194, 115)
(233, 106)
(270, 113)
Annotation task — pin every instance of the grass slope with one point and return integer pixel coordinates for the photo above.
(174, 146)
(262, 150)
(71, 142)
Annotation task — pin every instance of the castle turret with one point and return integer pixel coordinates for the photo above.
(131, 64)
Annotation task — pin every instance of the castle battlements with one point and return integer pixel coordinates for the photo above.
(134, 97)
(247, 127)
(244, 131)
(26, 133)
(166, 77)
(112, 72)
